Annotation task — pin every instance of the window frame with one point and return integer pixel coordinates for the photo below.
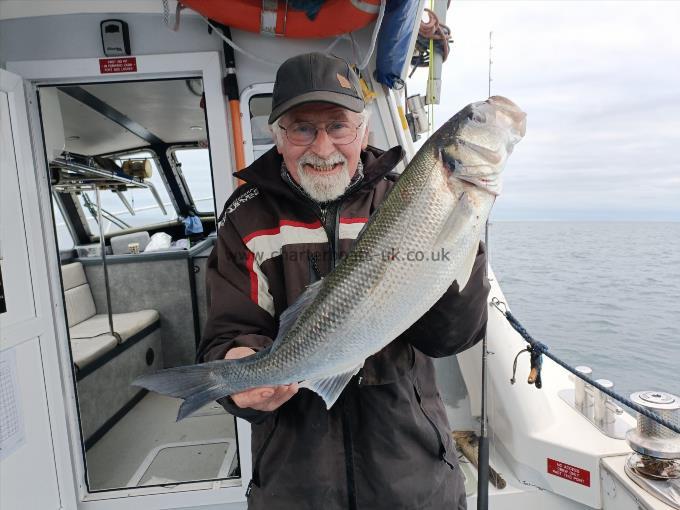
(248, 93)
(172, 158)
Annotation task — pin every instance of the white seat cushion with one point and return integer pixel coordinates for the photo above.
(73, 275)
(77, 294)
(125, 324)
(86, 350)
(79, 304)
(119, 244)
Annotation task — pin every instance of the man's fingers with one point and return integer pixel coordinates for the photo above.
(282, 395)
(238, 352)
(254, 397)
(267, 398)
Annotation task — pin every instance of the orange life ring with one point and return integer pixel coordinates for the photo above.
(277, 18)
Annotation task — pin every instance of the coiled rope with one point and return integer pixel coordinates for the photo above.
(542, 348)
(432, 36)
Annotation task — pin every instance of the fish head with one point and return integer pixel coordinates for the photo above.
(476, 142)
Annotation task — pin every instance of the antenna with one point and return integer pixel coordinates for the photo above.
(490, 61)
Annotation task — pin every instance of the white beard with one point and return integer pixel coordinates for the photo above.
(320, 187)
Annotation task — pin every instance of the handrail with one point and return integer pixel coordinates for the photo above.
(542, 348)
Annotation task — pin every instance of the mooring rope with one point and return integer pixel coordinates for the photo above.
(541, 348)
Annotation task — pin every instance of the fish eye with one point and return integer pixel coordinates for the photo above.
(449, 160)
(477, 116)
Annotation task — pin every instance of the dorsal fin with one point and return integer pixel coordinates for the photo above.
(290, 314)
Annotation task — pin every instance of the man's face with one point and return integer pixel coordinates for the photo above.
(324, 168)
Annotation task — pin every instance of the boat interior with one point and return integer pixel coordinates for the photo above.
(134, 215)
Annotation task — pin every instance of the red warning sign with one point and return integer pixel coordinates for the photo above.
(571, 473)
(118, 65)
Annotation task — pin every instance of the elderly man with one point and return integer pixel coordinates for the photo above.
(385, 444)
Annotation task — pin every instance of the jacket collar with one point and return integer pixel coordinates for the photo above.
(265, 172)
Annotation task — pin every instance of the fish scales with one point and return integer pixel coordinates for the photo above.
(394, 273)
(367, 278)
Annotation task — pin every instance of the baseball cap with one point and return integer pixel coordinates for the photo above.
(315, 77)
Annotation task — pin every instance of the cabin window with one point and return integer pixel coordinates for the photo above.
(64, 237)
(194, 165)
(260, 108)
(115, 213)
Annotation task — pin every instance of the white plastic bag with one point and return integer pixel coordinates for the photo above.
(159, 241)
(181, 244)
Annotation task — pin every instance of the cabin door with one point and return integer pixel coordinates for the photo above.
(35, 470)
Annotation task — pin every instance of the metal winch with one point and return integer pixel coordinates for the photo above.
(655, 465)
(651, 438)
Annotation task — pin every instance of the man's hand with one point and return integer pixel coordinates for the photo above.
(266, 398)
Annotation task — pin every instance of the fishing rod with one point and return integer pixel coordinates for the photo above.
(483, 453)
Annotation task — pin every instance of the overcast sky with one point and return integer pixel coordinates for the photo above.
(600, 82)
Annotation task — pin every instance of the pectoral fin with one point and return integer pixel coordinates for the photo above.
(459, 220)
(466, 266)
(291, 314)
(330, 388)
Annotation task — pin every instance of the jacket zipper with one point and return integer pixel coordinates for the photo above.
(332, 232)
(349, 457)
(332, 229)
(321, 211)
(440, 440)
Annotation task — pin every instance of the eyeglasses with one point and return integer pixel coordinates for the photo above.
(304, 133)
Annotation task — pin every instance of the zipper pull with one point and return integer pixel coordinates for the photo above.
(250, 488)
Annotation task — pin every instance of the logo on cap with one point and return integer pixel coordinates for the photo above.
(344, 82)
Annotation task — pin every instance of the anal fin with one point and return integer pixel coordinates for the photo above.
(330, 388)
(195, 402)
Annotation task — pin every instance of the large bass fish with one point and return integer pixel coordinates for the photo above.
(424, 236)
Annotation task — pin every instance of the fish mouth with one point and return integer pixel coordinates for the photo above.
(516, 118)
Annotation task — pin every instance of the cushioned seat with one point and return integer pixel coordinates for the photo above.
(86, 350)
(89, 331)
(105, 364)
(125, 324)
(119, 244)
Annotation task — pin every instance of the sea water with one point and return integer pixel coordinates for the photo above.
(605, 295)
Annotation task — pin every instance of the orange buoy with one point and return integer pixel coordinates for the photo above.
(277, 18)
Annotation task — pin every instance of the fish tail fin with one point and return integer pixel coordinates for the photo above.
(195, 402)
(196, 384)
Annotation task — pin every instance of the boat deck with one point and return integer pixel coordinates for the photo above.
(147, 454)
